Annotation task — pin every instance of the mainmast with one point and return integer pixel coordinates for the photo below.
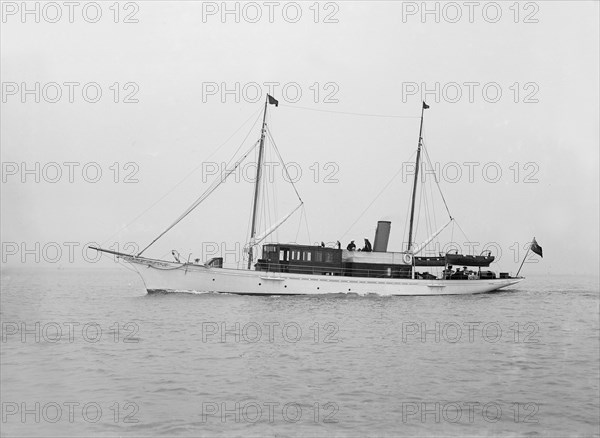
(414, 193)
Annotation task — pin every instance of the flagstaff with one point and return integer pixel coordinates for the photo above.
(533, 246)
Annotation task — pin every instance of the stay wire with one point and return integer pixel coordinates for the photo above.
(283, 164)
(350, 113)
(186, 176)
(437, 183)
(201, 199)
(372, 202)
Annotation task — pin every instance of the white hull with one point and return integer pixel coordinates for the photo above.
(163, 276)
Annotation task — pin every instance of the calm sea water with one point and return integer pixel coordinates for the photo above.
(106, 359)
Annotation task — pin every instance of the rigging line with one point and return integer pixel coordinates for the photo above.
(405, 232)
(283, 164)
(426, 199)
(274, 191)
(274, 197)
(421, 197)
(268, 190)
(306, 222)
(416, 230)
(257, 200)
(119, 262)
(238, 149)
(189, 174)
(266, 202)
(461, 230)
(224, 174)
(249, 222)
(428, 224)
(408, 208)
(260, 200)
(299, 225)
(165, 254)
(350, 113)
(437, 182)
(429, 202)
(202, 197)
(251, 200)
(372, 202)
(263, 189)
(430, 198)
(424, 191)
(433, 209)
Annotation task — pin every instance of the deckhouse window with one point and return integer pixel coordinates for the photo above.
(268, 250)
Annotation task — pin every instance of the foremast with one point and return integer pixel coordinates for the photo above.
(261, 148)
(270, 100)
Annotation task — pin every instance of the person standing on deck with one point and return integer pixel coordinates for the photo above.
(368, 247)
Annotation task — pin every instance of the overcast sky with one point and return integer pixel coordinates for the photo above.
(162, 69)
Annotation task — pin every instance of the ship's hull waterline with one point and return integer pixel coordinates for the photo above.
(164, 276)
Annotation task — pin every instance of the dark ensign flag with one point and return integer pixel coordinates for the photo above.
(272, 100)
(536, 248)
(425, 106)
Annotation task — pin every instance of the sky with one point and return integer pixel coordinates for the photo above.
(114, 120)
